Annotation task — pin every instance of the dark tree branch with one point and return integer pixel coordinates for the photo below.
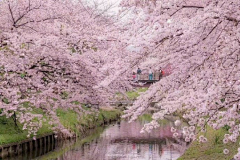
(10, 9)
(197, 7)
(220, 34)
(24, 14)
(212, 30)
(233, 20)
(32, 21)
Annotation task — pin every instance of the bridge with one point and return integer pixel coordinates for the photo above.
(120, 103)
(147, 81)
(143, 83)
(144, 80)
(127, 103)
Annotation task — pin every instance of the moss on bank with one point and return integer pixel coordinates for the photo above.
(9, 133)
(212, 149)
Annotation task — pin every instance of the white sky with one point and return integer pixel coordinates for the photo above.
(105, 4)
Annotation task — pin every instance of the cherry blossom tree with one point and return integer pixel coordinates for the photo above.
(56, 52)
(200, 39)
(45, 59)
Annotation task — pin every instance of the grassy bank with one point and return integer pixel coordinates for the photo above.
(212, 149)
(131, 95)
(10, 133)
(79, 124)
(94, 134)
(91, 135)
(134, 94)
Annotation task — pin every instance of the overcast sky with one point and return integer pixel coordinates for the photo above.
(104, 4)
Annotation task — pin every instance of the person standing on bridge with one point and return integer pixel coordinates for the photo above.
(160, 73)
(150, 74)
(134, 77)
(139, 71)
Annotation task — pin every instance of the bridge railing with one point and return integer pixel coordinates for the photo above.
(146, 76)
(116, 103)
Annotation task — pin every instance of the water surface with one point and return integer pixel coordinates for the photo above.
(118, 141)
(123, 141)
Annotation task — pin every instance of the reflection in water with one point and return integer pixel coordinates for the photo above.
(125, 142)
(121, 141)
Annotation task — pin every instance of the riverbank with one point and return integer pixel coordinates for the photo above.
(119, 140)
(12, 133)
(212, 149)
(76, 124)
(131, 95)
(65, 146)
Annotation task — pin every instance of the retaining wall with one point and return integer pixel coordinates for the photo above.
(28, 149)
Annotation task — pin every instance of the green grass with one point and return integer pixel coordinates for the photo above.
(87, 121)
(148, 118)
(145, 118)
(70, 119)
(57, 153)
(134, 94)
(9, 133)
(76, 102)
(212, 149)
(104, 116)
(142, 89)
(2, 74)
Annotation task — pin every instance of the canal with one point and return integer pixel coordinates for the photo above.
(117, 141)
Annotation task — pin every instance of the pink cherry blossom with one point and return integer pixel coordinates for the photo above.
(225, 151)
